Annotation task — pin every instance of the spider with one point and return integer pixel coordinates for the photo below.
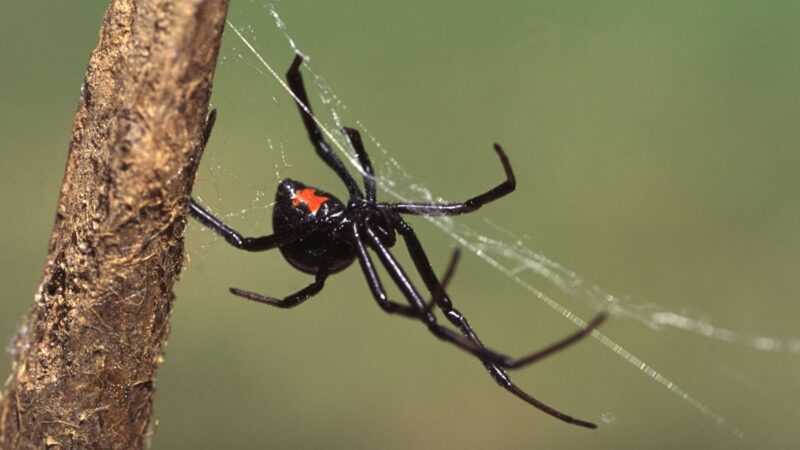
(320, 235)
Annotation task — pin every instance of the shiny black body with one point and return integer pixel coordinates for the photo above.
(329, 247)
(320, 235)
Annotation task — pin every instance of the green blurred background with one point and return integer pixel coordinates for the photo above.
(656, 148)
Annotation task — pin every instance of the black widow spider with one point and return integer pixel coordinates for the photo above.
(319, 235)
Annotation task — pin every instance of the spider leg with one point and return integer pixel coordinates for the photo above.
(417, 307)
(454, 316)
(290, 301)
(436, 289)
(498, 374)
(363, 160)
(252, 244)
(231, 236)
(295, 81)
(448, 275)
(470, 344)
(374, 281)
(452, 209)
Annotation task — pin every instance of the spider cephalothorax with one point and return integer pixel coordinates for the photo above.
(319, 234)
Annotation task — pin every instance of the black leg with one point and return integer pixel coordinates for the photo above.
(295, 80)
(491, 358)
(437, 290)
(374, 282)
(252, 244)
(231, 236)
(396, 272)
(290, 301)
(470, 343)
(505, 382)
(452, 209)
(418, 306)
(363, 159)
(499, 375)
(423, 266)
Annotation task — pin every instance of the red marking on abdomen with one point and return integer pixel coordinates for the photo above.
(309, 198)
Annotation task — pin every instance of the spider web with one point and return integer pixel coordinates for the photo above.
(492, 251)
(505, 250)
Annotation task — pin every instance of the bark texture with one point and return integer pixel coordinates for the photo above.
(86, 355)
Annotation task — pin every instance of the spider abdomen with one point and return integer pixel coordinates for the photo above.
(296, 204)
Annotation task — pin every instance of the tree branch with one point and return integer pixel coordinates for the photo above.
(86, 355)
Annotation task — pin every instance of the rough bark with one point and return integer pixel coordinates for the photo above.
(86, 355)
